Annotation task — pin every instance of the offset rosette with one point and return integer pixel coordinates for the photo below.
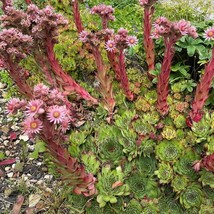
(192, 196)
(207, 178)
(169, 150)
(133, 207)
(164, 173)
(183, 166)
(179, 183)
(142, 186)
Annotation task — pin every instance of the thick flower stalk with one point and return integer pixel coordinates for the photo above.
(43, 25)
(76, 15)
(121, 41)
(47, 116)
(104, 81)
(13, 48)
(106, 14)
(147, 27)
(203, 88)
(171, 32)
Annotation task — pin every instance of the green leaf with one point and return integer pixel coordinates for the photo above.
(191, 50)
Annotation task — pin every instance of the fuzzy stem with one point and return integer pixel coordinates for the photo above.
(68, 83)
(104, 81)
(71, 171)
(77, 18)
(163, 78)
(148, 43)
(123, 76)
(18, 76)
(202, 91)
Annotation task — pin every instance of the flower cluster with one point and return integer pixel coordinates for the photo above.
(121, 40)
(209, 34)
(38, 22)
(163, 27)
(46, 105)
(15, 43)
(104, 11)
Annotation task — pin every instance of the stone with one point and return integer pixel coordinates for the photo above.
(10, 175)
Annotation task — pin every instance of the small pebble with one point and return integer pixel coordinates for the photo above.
(7, 168)
(10, 175)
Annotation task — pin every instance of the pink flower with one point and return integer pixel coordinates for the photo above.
(40, 90)
(48, 10)
(56, 94)
(83, 36)
(13, 105)
(56, 114)
(123, 32)
(192, 32)
(110, 45)
(143, 2)
(131, 41)
(161, 20)
(182, 26)
(32, 126)
(34, 107)
(65, 125)
(209, 34)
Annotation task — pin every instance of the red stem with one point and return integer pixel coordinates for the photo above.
(163, 78)
(123, 77)
(104, 81)
(28, 1)
(202, 91)
(148, 42)
(68, 83)
(77, 18)
(19, 78)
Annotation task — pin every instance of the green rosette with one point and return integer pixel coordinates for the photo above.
(183, 165)
(111, 150)
(169, 150)
(179, 183)
(134, 207)
(147, 147)
(146, 165)
(168, 205)
(192, 196)
(207, 178)
(164, 173)
(206, 209)
(110, 185)
(150, 208)
(142, 186)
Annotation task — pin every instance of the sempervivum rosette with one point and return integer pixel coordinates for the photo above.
(111, 150)
(146, 165)
(110, 185)
(133, 207)
(192, 196)
(142, 186)
(179, 183)
(207, 178)
(164, 173)
(183, 165)
(169, 150)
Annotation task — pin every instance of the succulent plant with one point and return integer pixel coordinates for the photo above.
(183, 166)
(210, 145)
(192, 196)
(78, 202)
(164, 173)
(150, 208)
(142, 186)
(142, 105)
(169, 205)
(91, 163)
(142, 127)
(209, 192)
(202, 129)
(168, 133)
(207, 178)
(147, 147)
(93, 207)
(179, 183)
(110, 184)
(146, 165)
(151, 96)
(133, 207)
(151, 117)
(206, 209)
(169, 150)
(180, 121)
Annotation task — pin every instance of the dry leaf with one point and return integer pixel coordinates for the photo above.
(17, 206)
(34, 200)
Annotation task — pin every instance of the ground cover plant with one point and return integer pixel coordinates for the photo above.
(126, 114)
